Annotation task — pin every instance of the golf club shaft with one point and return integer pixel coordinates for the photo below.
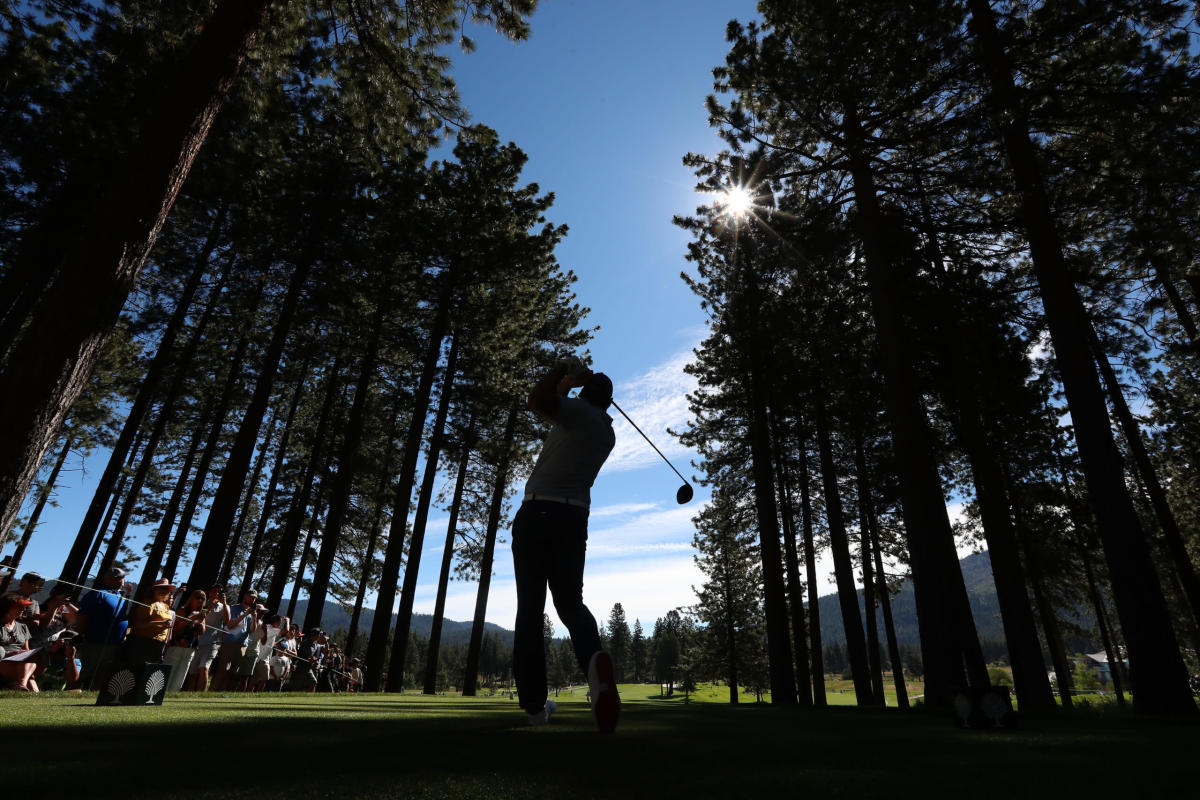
(647, 438)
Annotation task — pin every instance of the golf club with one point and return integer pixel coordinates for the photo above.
(685, 492)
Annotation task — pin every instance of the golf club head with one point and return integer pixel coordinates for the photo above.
(684, 495)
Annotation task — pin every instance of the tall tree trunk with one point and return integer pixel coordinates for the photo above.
(792, 564)
(187, 356)
(164, 356)
(36, 514)
(381, 625)
(285, 553)
(115, 501)
(948, 637)
(779, 650)
(251, 491)
(50, 364)
(219, 522)
(162, 537)
(264, 517)
(489, 551)
(843, 568)
(1182, 314)
(1114, 660)
(1050, 627)
(1025, 654)
(412, 568)
(220, 412)
(1172, 535)
(889, 625)
(1160, 680)
(1083, 539)
(381, 495)
(304, 551)
(439, 608)
(810, 566)
(866, 528)
(166, 414)
(343, 482)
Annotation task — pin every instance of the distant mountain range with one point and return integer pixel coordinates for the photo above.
(335, 616)
(977, 574)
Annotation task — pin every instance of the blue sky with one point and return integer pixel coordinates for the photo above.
(605, 98)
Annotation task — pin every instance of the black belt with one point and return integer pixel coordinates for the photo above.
(571, 501)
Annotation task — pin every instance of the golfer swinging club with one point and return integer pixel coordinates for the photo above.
(549, 538)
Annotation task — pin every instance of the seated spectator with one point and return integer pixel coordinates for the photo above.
(184, 639)
(58, 640)
(216, 619)
(19, 662)
(101, 621)
(33, 617)
(150, 625)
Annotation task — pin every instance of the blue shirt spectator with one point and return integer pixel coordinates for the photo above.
(105, 614)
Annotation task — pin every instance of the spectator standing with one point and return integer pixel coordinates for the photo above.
(102, 620)
(265, 641)
(184, 640)
(309, 658)
(241, 624)
(150, 625)
(245, 670)
(216, 618)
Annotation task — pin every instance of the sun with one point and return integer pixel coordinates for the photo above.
(736, 201)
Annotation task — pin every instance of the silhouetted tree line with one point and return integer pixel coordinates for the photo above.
(968, 274)
(279, 319)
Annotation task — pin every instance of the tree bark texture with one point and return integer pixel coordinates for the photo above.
(382, 623)
(36, 514)
(843, 567)
(51, 362)
(489, 551)
(343, 481)
(285, 553)
(948, 637)
(439, 608)
(1158, 675)
(163, 356)
(412, 568)
(810, 565)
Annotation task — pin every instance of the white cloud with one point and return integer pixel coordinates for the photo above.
(657, 529)
(655, 400)
(620, 509)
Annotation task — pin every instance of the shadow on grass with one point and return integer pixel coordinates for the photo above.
(218, 747)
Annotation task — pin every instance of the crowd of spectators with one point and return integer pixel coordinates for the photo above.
(209, 644)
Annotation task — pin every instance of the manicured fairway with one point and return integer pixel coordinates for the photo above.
(350, 747)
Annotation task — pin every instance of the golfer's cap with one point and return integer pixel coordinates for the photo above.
(600, 384)
(32, 577)
(116, 572)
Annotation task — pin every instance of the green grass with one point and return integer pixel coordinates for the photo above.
(378, 746)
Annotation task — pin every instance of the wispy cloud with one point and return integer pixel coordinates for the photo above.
(655, 400)
(620, 509)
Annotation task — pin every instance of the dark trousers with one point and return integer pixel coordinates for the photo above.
(549, 541)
